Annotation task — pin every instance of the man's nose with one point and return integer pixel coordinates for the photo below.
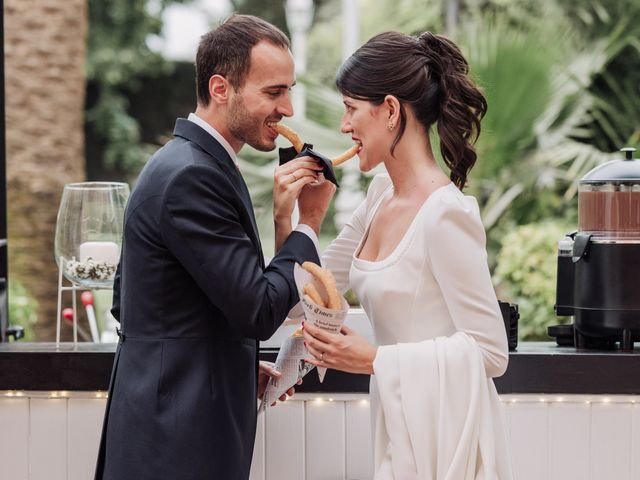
(285, 107)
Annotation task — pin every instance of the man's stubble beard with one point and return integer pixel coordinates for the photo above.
(246, 127)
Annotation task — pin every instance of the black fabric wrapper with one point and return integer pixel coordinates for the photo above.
(288, 154)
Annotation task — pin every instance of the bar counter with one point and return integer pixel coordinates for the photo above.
(536, 367)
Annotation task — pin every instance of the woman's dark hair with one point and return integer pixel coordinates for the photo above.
(430, 74)
(226, 51)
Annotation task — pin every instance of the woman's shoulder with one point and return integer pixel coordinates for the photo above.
(449, 207)
(450, 197)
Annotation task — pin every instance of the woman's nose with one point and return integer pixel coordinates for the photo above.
(345, 126)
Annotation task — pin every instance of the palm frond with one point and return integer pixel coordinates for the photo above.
(499, 202)
(512, 66)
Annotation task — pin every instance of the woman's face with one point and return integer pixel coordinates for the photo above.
(367, 125)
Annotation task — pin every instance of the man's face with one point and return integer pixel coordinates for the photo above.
(264, 97)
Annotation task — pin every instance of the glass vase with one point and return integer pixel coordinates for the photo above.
(89, 232)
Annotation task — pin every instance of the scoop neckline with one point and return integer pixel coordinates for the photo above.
(400, 247)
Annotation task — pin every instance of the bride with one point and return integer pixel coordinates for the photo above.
(414, 254)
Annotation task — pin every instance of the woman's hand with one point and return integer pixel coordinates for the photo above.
(288, 181)
(346, 351)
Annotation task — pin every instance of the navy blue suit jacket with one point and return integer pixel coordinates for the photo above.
(193, 297)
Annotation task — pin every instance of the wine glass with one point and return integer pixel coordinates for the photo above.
(89, 232)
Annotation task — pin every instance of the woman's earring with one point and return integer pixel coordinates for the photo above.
(390, 125)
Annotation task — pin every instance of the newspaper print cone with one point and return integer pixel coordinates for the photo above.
(290, 361)
(324, 318)
(292, 367)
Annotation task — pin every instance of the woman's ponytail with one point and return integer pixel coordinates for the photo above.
(461, 103)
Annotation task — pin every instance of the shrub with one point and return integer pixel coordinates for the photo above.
(23, 309)
(526, 274)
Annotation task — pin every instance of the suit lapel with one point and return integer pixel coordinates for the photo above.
(193, 133)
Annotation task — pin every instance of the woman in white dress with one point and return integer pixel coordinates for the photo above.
(414, 254)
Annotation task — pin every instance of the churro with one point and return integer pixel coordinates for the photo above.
(325, 277)
(311, 291)
(297, 143)
(343, 157)
(289, 134)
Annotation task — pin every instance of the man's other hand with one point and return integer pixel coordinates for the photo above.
(267, 370)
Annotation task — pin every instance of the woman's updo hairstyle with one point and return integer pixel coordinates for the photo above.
(430, 74)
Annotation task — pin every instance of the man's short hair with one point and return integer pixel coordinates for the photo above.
(226, 51)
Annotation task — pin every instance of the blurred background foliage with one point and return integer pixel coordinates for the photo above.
(526, 272)
(23, 309)
(562, 79)
(119, 61)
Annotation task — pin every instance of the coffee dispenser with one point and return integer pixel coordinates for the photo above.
(599, 265)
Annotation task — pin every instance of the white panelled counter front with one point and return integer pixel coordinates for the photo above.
(570, 415)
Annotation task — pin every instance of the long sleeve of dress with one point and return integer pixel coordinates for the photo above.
(456, 249)
(338, 256)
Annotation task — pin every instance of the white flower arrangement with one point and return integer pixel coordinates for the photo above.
(91, 269)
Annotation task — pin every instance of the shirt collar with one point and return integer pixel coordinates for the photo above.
(215, 134)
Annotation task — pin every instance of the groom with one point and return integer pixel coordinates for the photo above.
(192, 294)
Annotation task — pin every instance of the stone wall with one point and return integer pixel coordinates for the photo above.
(45, 45)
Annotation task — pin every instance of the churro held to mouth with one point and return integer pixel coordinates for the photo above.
(297, 143)
(289, 134)
(347, 155)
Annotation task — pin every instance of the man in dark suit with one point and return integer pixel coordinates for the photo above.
(192, 293)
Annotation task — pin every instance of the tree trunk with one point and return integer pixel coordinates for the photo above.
(45, 46)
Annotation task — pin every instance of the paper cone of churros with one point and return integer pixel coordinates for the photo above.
(328, 310)
(325, 308)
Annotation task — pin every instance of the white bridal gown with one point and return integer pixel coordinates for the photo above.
(435, 410)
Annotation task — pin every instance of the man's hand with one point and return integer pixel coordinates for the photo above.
(313, 202)
(267, 370)
(288, 181)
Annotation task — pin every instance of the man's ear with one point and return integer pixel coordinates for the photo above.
(219, 89)
(392, 109)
